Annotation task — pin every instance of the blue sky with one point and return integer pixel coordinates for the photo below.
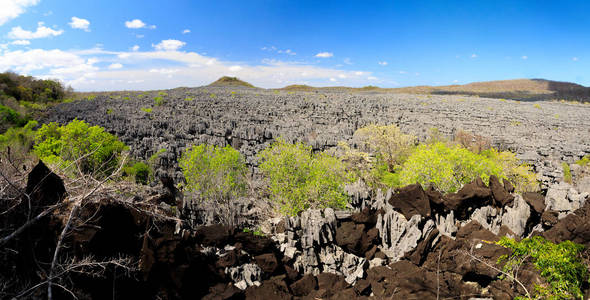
(113, 45)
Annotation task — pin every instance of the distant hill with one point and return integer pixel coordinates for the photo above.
(517, 89)
(230, 81)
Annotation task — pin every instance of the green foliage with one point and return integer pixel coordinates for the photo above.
(91, 97)
(189, 99)
(214, 173)
(255, 232)
(213, 96)
(560, 264)
(19, 139)
(146, 109)
(567, 172)
(11, 117)
(95, 150)
(450, 167)
(300, 179)
(163, 94)
(155, 156)
(27, 88)
(584, 162)
(140, 172)
(158, 101)
(109, 111)
(126, 98)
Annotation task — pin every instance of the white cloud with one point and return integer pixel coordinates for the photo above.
(79, 23)
(383, 63)
(403, 72)
(332, 79)
(115, 66)
(473, 55)
(17, 33)
(135, 48)
(186, 31)
(524, 57)
(324, 54)
(347, 61)
(455, 81)
(235, 68)
(575, 58)
(169, 45)
(135, 24)
(372, 78)
(21, 42)
(13, 8)
(156, 69)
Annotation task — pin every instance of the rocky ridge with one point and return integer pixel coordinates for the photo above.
(395, 244)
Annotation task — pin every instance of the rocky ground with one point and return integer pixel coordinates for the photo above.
(407, 244)
(542, 133)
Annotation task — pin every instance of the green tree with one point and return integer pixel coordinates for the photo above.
(94, 150)
(300, 179)
(215, 174)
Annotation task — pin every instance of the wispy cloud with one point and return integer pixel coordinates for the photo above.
(186, 31)
(347, 61)
(473, 55)
(115, 66)
(524, 57)
(575, 58)
(79, 23)
(383, 63)
(21, 42)
(18, 33)
(325, 54)
(135, 48)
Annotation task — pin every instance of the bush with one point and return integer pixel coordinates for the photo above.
(560, 264)
(584, 162)
(98, 151)
(9, 116)
(299, 179)
(388, 143)
(450, 167)
(159, 101)
(139, 171)
(19, 139)
(215, 174)
(567, 172)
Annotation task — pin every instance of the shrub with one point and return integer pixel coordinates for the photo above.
(97, 151)
(387, 142)
(584, 162)
(560, 264)
(475, 143)
(215, 174)
(450, 167)
(10, 116)
(159, 101)
(567, 172)
(19, 139)
(140, 172)
(146, 109)
(300, 179)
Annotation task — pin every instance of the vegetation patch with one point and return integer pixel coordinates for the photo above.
(560, 264)
(300, 179)
(78, 145)
(215, 174)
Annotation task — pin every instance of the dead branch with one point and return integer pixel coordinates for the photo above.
(474, 257)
